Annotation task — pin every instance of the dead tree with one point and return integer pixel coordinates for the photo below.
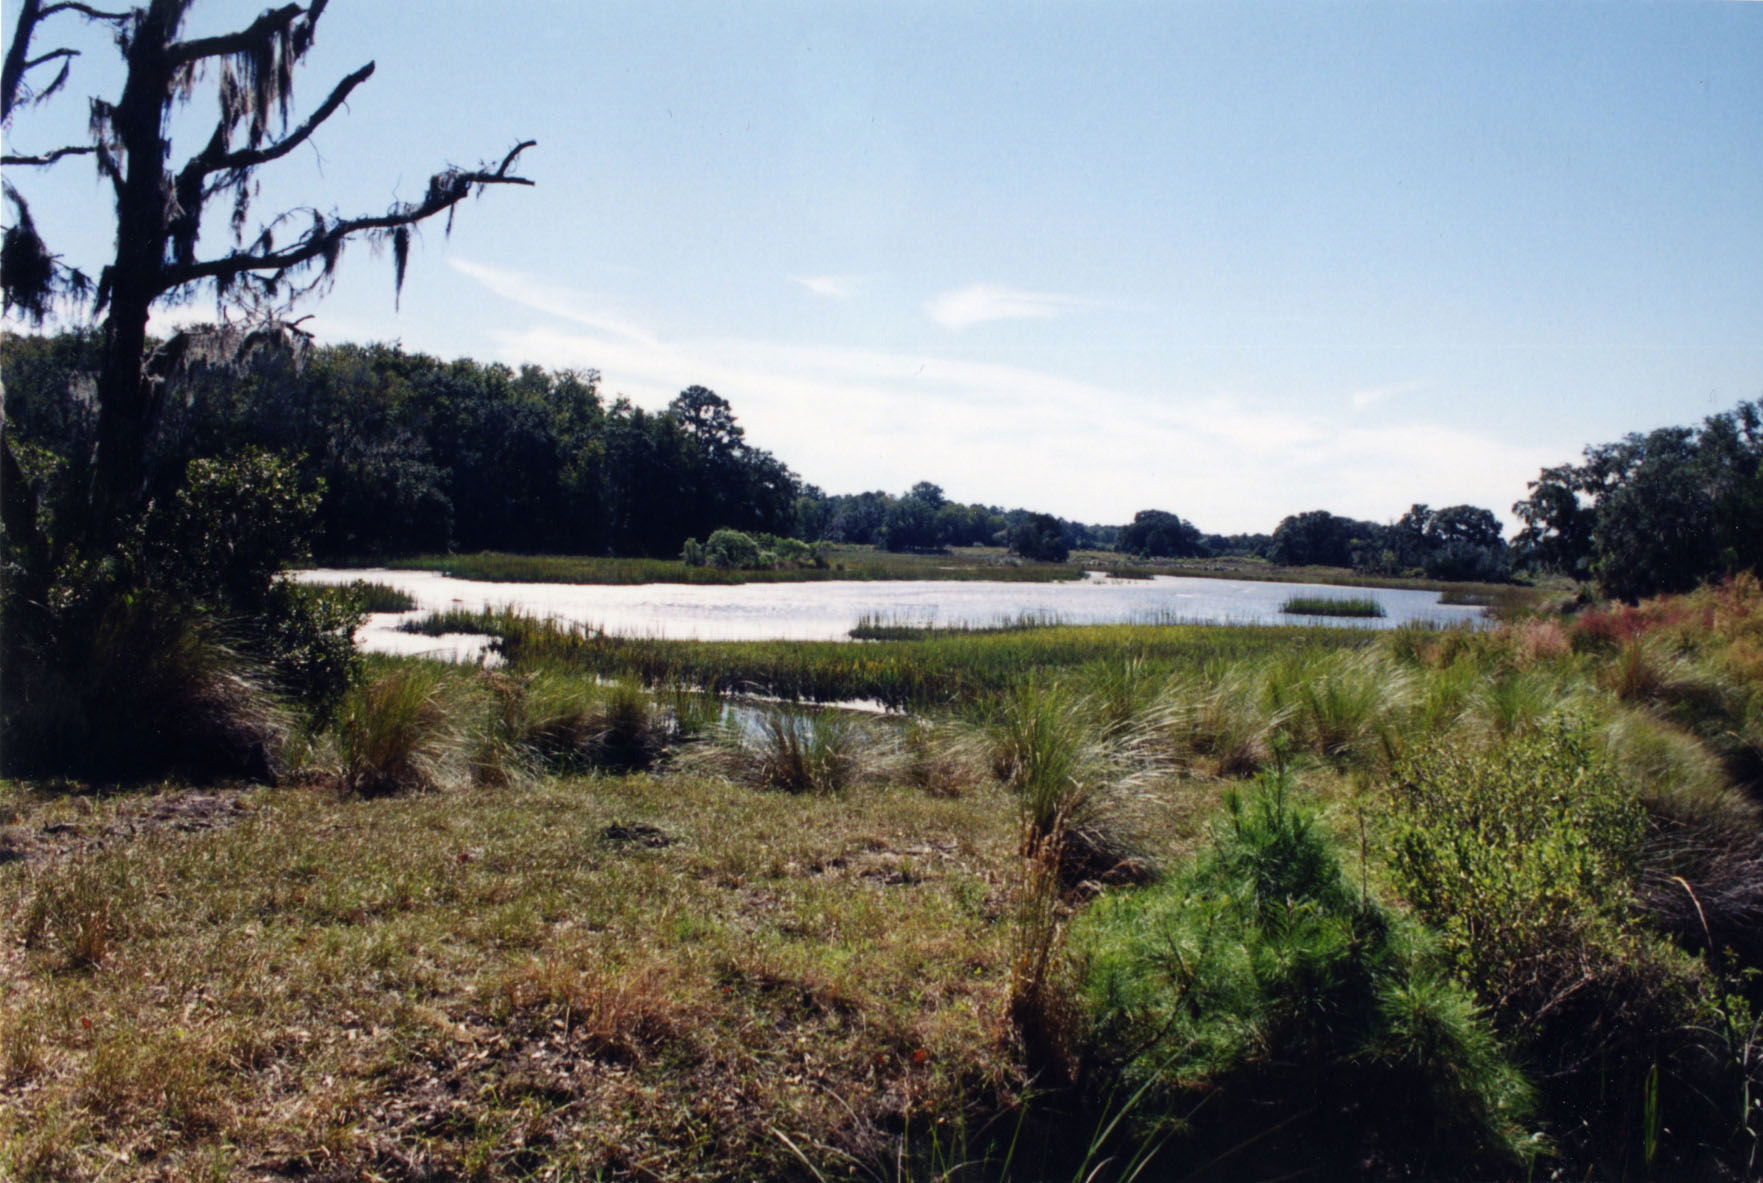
(160, 213)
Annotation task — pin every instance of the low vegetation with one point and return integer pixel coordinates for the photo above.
(1139, 902)
(1356, 606)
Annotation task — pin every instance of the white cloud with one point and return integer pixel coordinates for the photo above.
(558, 301)
(983, 302)
(850, 419)
(1372, 395)
(835, 287)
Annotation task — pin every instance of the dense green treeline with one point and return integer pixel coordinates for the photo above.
(411, 453)
(1654, 513)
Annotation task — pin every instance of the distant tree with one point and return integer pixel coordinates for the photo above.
(1653, 513)
(910, 524)
(857, 518)
(1321, 539)
(931, 495)
(1155, 533)
(1041, 538)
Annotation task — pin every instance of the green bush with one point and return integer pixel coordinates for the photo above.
(1260, 986)
(1514, 852)
(731, 550)
(1526, 859)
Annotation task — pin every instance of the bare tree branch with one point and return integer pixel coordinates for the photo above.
(251, 157)
(445, 190)
(49, 157)
(50, 56)
(273, 21)
(85, 10)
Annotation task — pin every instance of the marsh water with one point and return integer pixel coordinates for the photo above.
(829, 610)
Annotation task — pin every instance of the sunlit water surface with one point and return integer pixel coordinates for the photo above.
(829, 610)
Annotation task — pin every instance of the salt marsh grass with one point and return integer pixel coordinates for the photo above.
(1357, 606)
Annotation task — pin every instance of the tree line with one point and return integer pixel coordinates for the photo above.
(404, 453)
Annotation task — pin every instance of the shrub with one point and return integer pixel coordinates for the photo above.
(1258, 981)
(1526, 860)
(731, 550)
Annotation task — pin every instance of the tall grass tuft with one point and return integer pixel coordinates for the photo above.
(1071, 780)
(142, 688)
(406, 730)
(1346, 708)
(1217, 720)
(794, 751)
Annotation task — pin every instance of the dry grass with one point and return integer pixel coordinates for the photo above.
(631, 976)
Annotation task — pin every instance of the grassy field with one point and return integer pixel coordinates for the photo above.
(1127, 902)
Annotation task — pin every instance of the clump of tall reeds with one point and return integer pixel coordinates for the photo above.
(1362, 607)
(1217, 722)
(793, 750)
(140, 686)
(1071, 774)
(406, 730)
(372, 596)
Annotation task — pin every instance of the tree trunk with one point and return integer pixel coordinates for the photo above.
(136, 277)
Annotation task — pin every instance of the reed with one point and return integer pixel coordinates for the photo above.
(1352, 606)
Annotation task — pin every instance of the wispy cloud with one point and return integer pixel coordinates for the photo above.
(834, 287)
(555, 299)
(849, 419)
(1372, 395)
(983, 302)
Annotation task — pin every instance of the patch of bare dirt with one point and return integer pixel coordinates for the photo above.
(185, 811)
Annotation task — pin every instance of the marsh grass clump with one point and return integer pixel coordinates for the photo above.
(1217, 721)
(1260, 986)
(942, 759)
(1071, 777)
(406, 730)
(1346, 708)
(142, 688)
(372, 596)
(794, 751)
(1362, 607)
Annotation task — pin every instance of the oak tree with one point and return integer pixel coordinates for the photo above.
(164, 214)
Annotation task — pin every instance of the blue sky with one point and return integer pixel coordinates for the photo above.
(1235, 261)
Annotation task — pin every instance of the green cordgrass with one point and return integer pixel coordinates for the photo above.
(1353, 606)
(932, 669)
(380, 597)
